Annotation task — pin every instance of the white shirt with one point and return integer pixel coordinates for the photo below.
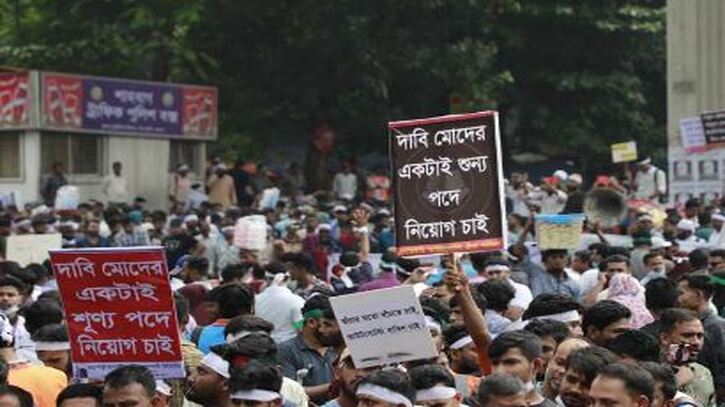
(345, 185)
(649, 182)
(717, 240)
(114, 188)
(281, 307)
(551, 204)
(523, 296)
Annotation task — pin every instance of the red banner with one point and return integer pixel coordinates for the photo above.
(14, 99)
(199, 111)
(119, 310)
(62, 101)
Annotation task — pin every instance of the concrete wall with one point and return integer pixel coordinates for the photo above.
(695, 60)
(145, 167)
(695, 84)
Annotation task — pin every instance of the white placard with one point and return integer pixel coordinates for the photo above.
(692, 133)
(26, 249)
(384, 327)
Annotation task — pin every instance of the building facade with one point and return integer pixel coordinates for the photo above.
(87, 123)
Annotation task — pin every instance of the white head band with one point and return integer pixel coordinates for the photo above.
(435, 393)
(382, 393)
(461, 342)
(163, 388)
(217, 364)
(497, 267)
(568, 316)
(52, 346)
(432, 324)
(255, 395)
(242, 334)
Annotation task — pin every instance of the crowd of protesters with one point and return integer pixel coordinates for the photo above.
(633, 325)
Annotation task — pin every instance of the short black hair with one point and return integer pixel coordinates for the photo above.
(301, 260)
(701, 282)
(548, 327)
(233, 271)
(664, 375)
(11, 281)
(198, 263)
(585, 256)
(589, 361)
(255, 376)
(250, 323)
(660, 294)
(636, 344)
(638, 381)
(436, 309)
(717, 253)
(480, 300)
(673, 316)
(80, 390)
(24, 397)
(479, 260)
(550, 304)
(393, 380)
(234, 300)
(427, 376)
(604, 313)
(41, 313)
(545, 254)
(51, 333)
(130, 374)
(528, 343)
(499, 385)
(319, 302)
(698, 259)
(498, 294)
(649, 256)
(453, 333)
(615, 258)
(258, 346)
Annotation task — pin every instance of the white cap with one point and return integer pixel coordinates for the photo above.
(575, 178)
(718, 216)
(660, 243)
(686, 224)
(339, 208)
(324, 226)
(182, 167)
(191, 218)
(561, 174)
(645, 161)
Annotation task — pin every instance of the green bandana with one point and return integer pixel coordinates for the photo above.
(315, 313)
(717, 280)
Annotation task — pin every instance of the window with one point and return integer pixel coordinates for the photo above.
(80, 154)
(185, 152)
(10, 155)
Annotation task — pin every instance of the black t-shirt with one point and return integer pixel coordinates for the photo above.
(177, 246)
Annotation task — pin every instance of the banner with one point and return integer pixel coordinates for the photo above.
(119, 310)
(447, 178)
(559, 231)
(115, 106)
(372, 321)
(14, 100)
(26, 249)
(624, 152)
(692, 134)
(714, 125)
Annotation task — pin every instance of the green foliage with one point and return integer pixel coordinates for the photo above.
(570, 77)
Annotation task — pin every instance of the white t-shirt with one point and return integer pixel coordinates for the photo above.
(523, 296)
(281, 307)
